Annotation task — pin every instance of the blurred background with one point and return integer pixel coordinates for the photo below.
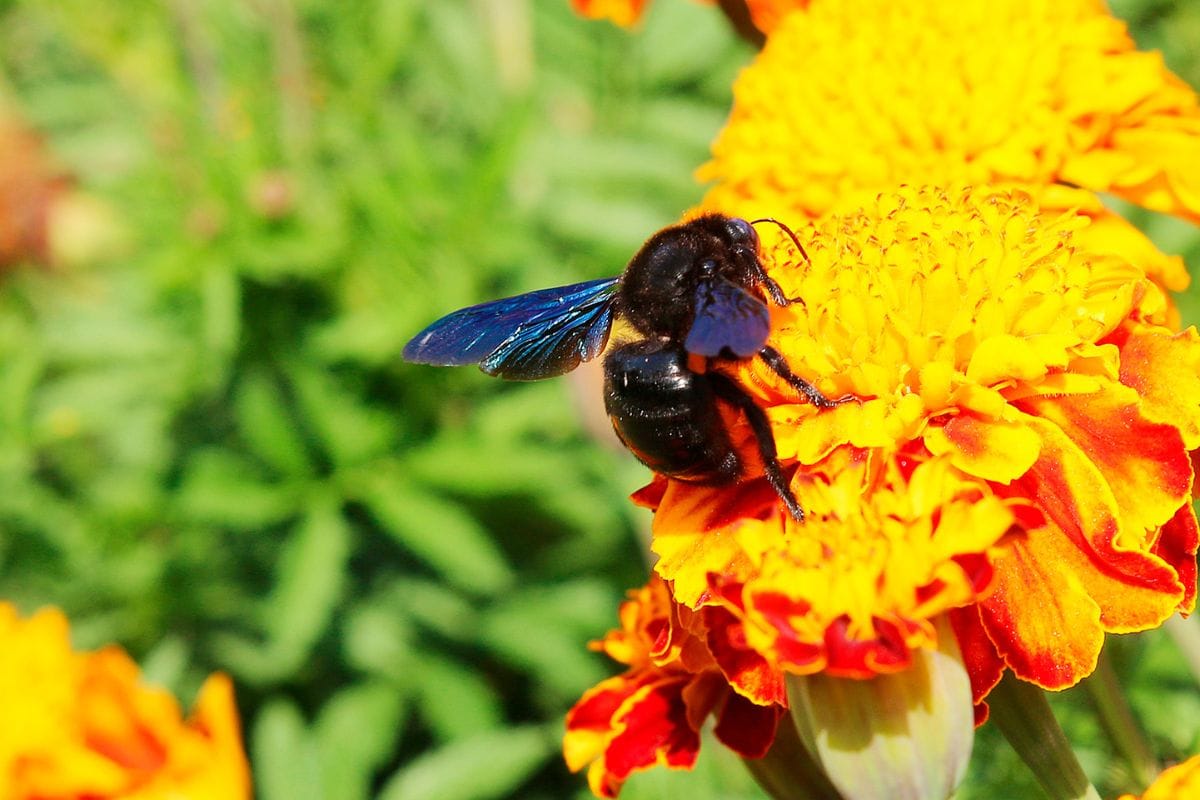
(219, 224)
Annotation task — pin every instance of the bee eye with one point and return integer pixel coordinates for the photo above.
(740, 231)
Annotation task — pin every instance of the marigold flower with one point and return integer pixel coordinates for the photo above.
(1019, 463)
(29, 188)
(852, 98)
(683, 666)
(619, 12)
(1020, 453)
(1177, 783)
(764, 13)
(767, 14)
(82, 725)
(44, 219)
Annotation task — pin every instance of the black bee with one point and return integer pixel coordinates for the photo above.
(692, 290)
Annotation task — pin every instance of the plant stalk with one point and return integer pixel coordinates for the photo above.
(1023, 715)
(1122, 728)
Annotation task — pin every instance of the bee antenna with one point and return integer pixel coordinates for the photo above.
(786, 230)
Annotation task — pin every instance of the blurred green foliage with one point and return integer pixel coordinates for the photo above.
(209, 449)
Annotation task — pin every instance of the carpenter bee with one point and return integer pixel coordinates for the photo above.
(693, 289)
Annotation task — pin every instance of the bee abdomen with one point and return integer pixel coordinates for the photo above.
(666, 414)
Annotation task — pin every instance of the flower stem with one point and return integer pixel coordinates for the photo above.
(789, 771)
(1023, 715)
(1119, 723)
(1186, 633)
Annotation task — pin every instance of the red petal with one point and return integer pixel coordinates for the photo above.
(776, 608)
(980, 657)
(748, 672)
(853, 658)
(596, 708)
(1177, 546)
(650, 495)
(746, 728)
(656, 731)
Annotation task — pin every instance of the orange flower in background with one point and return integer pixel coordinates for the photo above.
(852, 98)
(764, 13)
(619, 12)
(82, 725)
(1177, 783)
(44, 218)
(683, 666)
(29, 188)
(767, 14)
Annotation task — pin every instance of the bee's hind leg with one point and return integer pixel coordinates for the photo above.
(729, 391)
(772, 358)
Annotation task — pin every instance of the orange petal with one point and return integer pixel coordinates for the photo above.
(1177, 783)
(767, 13)
(1041, 620)
(1164, 368)
(995, 450)
(686, 536)
(1133, 588)
(1144, 463)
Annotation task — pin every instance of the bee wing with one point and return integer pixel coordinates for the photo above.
(727, 317)
(524, 338)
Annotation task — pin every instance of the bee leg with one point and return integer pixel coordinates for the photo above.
(775, 290)
(779, 365)
(729, 391)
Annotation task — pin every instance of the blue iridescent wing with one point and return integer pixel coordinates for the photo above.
(524, 338)
(727, 318)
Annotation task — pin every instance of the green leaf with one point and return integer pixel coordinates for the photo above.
(441, 534)
(380, 641)
(220, 488)
(564, 617)
(350, 431)
(454, 699)
(285, 757)
(267, 426)
(221, 298)
(309, 580)
(464, 465)
(487, 765)
(356, 732)
(436, 607)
